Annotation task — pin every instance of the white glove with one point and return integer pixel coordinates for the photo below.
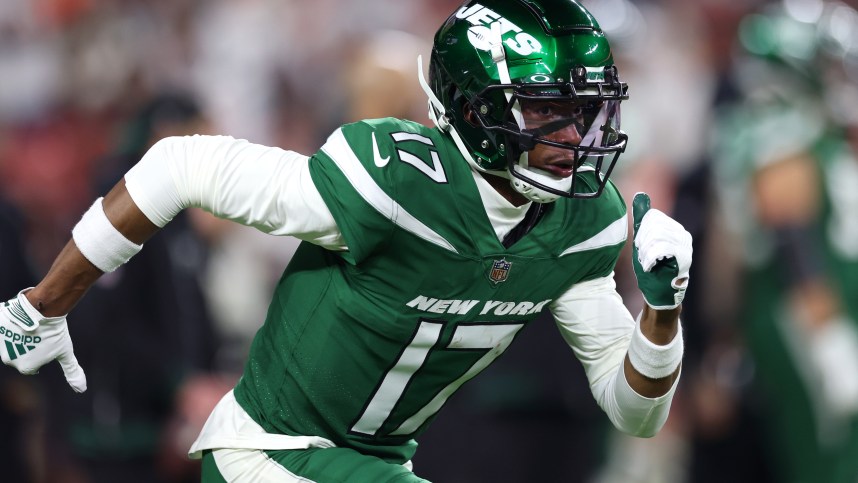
(31, 340)
(661, 255)
(833, 350)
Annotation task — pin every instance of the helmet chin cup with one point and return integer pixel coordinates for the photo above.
(533, 192)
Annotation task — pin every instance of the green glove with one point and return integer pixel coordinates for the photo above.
(661, 255)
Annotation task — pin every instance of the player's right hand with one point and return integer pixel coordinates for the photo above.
(31, 340)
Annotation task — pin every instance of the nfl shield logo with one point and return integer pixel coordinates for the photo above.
(499, 271)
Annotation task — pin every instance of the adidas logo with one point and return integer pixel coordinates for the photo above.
(16, 344)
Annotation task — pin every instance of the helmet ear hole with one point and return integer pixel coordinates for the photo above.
(469, 114)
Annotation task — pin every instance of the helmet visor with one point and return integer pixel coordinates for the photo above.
(568, 123)
(590, 128)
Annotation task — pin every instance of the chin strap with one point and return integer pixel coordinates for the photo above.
(435, 104)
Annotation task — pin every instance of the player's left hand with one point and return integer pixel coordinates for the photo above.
(661, 255)
(31, 340)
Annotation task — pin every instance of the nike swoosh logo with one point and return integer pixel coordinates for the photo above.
(376, 156)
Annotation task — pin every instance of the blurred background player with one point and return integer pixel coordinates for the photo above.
(785, 162)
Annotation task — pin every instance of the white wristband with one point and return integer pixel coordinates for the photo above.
(652, 360)
(100, 242)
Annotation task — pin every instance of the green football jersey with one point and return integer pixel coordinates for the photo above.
(364, 347)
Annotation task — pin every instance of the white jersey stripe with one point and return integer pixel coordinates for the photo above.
(407, 136)
(613, 234)
(245, 465)
(339, 150)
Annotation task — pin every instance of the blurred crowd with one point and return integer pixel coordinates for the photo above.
(743, 125)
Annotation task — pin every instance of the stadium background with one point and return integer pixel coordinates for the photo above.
(733, 103)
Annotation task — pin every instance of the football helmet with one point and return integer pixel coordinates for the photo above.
(494, 60)
(801, 50)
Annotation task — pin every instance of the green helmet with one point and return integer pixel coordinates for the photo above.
(789, 54)
(492, 59)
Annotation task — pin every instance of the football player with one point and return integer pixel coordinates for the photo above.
(426, 251)
(798, 246)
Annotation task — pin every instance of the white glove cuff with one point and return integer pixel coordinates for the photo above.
(100, 242)
(652, 360)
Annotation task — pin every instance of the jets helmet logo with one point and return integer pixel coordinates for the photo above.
(488, 25)
(500, 270)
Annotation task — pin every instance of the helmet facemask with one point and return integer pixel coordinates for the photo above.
(539, 114)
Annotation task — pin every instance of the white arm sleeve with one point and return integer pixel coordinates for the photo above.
(260, 186)
(598, 327)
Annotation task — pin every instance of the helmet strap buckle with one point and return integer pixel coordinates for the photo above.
(526, 140)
